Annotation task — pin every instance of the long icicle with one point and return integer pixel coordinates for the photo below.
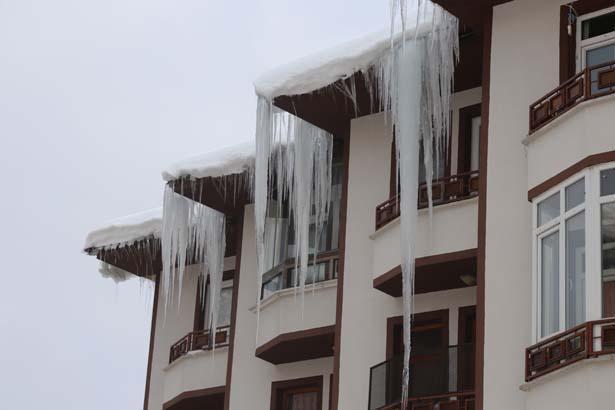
(192, 233)
(415, 81)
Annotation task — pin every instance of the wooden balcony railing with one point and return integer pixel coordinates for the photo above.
(283, 275)
(593, 82)
(591, 339)
(453, 401)
(199, 340)
(444, 190)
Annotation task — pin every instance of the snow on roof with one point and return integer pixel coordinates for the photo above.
(230, 160)
(127, 230)
(328, 66)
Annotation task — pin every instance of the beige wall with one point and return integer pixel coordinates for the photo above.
(524, 66)
(197, 370)
(252, 377)
(285, 312)
(585, 130)
(365, 310)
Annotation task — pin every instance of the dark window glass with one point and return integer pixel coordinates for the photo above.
(608, 259)
(607, 182)
(598, 26)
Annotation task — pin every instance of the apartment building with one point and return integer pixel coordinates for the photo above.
(514, 304)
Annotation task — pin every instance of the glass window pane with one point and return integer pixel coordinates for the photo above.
(598, 26)
(548, 209)
(607, 182)
(475, 144)
(549, 273)
(575, 270)
(608, 259)
(224, 312)
(598, 56)
(575, 194)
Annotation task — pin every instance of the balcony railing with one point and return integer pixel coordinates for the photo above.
(591, 339)
(199, 340)
(593, 82)
(444, 190)
(283, 275)
(443, 377)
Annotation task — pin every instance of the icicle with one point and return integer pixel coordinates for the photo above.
(294, 157)
(415, 81)
(192, 233)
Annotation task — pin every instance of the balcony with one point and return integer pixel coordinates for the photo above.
(444, 190)
(589, 340)
(593, 82)
(199, 340)
(440, 379)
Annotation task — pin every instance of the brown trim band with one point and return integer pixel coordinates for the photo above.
(589, 161)
(231, 348)
(482, 207)
(337, 346)
(152, 336)
(277, 389)
(211, 391)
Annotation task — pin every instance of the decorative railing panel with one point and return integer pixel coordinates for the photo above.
(438, 377)
(199, 340)
(283, 276)
(593, 82)
(591, 339)
(444, 190)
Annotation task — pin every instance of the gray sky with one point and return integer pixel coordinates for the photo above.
(96, 97)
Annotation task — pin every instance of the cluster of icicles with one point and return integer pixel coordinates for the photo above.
(293, 168)
(414, 82)
(192, 234)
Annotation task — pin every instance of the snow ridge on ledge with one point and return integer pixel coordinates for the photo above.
(126, 230)
(231, 160)
(324, 68)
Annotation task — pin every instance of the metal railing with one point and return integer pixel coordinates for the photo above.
(442, 376)
(592, 82)
(199, 340)
(283, 275)
(444, 190)
(591, 339)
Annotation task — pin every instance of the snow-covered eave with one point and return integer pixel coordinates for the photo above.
(128, 245)
(322, 69)
(219, 179)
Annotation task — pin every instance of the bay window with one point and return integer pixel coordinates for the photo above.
(596, 40)
(574, 252)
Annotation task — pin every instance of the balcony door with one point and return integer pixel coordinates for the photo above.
(429, 362)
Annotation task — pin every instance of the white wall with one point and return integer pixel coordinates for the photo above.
(252, 377)
(524, 66)
(453, 228)
(283, 312)
(365, 310)
(585, 130)
(196, 371)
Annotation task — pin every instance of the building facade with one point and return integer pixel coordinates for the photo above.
(515, 302)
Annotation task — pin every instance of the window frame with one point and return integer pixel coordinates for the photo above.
(557, 224)
(595, 42)
(593, 247)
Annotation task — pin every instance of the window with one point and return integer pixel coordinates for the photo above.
(596, 39)
(560, 239)
(574, 248)
(224, 308)
(298, 394)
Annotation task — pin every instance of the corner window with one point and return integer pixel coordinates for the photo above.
(560, 239)
(574, 248)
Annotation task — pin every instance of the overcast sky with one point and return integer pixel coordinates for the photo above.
(96, 97)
